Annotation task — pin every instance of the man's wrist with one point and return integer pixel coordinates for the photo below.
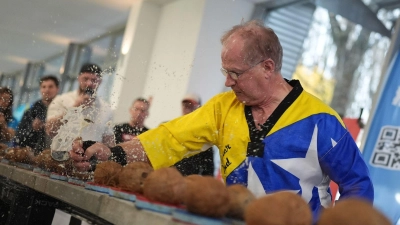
(117, 152)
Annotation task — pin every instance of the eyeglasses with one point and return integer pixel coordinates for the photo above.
(235, 75)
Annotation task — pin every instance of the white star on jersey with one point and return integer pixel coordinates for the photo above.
(306, 169)
(254, 183)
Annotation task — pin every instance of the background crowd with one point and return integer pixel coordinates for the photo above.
(42, 120)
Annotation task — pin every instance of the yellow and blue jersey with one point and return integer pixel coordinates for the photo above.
(301, 147)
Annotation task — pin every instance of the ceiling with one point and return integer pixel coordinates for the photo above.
(37, 29)
(32, 31)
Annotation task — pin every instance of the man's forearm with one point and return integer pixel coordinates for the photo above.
(109, 140)
(134, 151)
(53, 125)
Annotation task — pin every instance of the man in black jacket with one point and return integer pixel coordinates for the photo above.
(139, 111)
(31, 130)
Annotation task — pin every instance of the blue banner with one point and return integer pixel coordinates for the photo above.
(382, 146)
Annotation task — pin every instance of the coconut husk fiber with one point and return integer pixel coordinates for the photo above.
(133, 175)
(44, 161)
(352, 211)
(23, 155)
(10, 154)
(206, 196)
(165, 185)
(239, 197)
(279, 208)
(63, 168)
(107, 173)
(3, 148)
(41, 159)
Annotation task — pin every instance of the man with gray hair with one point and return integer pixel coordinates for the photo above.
(272, 134)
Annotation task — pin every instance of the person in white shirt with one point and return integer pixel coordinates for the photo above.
(95, 110)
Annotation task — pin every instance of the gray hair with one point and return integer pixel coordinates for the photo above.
(260, 42)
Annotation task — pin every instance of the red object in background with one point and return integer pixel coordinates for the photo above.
(353, 126)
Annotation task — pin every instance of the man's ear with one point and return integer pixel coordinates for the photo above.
(269, 65)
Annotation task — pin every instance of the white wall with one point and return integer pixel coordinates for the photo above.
(175, 50)
(137, 45)
(219, 16)
(172, 58)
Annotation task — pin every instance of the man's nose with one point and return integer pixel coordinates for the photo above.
(229, 82)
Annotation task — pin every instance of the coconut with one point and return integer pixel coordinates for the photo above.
(10, 154)
(106, 173)
(187, 179)
(192, 177)
(279, 208)
(132, 176)
(63, 168)
(23, 155)
(42, 159)
(137, 165)
(165, 185)
(239, 197)
(206, 196)
(352, 211)
(3, 148)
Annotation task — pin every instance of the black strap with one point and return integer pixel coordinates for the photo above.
(255, 147)
(93, 161)
(87, 144)
(118, 155)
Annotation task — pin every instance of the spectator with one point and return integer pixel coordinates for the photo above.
(8, 123)
(94, 109)
(139, 111)
(31, 130)
(190, 103)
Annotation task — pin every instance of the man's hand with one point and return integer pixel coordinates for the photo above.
(53, 125)
(83, 99)
(37, 124)
(81, 157)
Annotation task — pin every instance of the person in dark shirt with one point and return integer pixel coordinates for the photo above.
(31, 130)
(139, 111)
(201, 163)
(8, 123)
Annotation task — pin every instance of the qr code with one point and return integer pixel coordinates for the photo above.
(387, 149)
